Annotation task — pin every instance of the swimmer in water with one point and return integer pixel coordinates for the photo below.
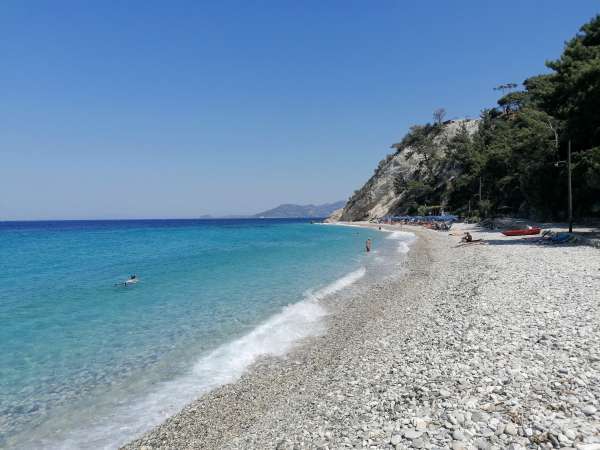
(368, 245)
(133, 279)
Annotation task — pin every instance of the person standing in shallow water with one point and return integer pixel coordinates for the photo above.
(368, 245)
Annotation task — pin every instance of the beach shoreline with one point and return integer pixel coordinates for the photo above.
(432, 358)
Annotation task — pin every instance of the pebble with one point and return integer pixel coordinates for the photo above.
(413, 434)
(589, 410)
(458, 435)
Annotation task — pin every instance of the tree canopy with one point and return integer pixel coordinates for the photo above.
(511, 158)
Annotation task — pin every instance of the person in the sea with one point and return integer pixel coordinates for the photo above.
(133, 279)
(368, 245)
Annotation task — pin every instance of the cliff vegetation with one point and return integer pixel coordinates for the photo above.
(512, 159)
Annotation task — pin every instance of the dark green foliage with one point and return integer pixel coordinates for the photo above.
(574, 94)
(511, 158)
(587, 190)
(513, 101)
(419, 143)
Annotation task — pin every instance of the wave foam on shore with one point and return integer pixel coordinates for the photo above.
(404, 239)
(274, 337)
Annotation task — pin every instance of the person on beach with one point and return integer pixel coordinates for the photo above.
(468, 239)
(368, 245)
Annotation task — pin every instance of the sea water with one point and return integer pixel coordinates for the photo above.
(87, 362)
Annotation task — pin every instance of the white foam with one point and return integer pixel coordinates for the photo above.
(340, 284)
(405, 239)
(342, 224)
(401, 235)
(275, 337)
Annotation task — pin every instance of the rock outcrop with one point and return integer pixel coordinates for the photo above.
(380, 196)
(335, 216)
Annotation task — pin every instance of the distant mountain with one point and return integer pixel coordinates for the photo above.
(296, 211)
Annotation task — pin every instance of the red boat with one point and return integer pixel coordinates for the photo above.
(525, 232)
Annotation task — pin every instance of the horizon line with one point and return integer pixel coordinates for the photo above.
(229, 217)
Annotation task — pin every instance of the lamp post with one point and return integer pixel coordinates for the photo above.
(569, 185)
(570, 188)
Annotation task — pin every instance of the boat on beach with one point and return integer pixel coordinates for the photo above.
(522, 232)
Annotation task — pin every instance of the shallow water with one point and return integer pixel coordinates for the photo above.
(87, 364)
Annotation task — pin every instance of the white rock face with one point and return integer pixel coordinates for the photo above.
(378, 197)
(335, 216)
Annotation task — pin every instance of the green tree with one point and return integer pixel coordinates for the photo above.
(509, 162)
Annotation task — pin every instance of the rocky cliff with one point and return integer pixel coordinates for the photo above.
(335, 216)
(381, 195)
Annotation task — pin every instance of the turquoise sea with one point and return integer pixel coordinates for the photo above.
(89, 363)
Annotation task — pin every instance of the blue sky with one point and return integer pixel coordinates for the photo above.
(177, 109)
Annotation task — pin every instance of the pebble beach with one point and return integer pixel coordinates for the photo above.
(491, 346)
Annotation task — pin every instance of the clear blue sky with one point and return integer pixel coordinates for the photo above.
(177, 109)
